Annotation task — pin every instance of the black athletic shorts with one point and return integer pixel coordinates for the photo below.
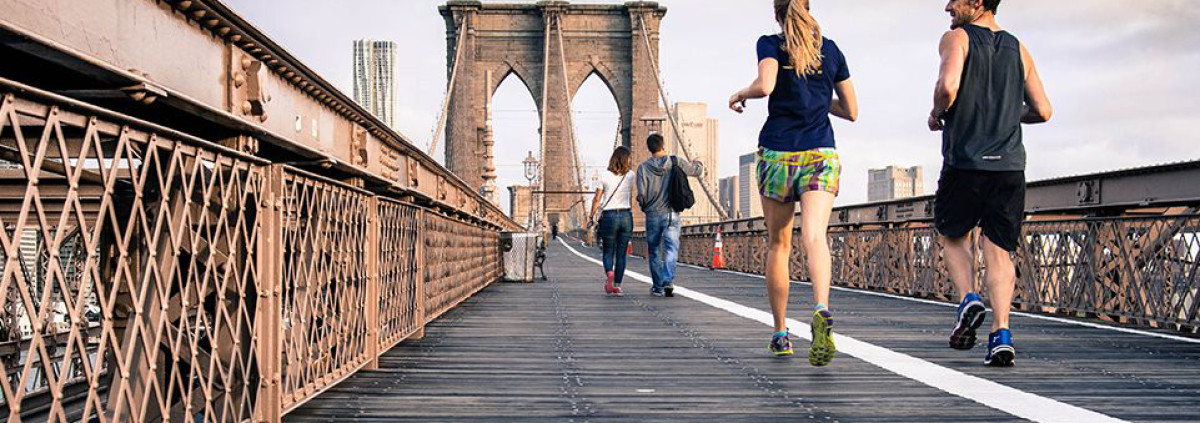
(994, 201)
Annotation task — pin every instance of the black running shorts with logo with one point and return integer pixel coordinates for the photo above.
(994, 201)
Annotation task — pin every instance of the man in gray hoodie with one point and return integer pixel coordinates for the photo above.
(662, 222)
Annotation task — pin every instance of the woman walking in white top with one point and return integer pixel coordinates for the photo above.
(613, 199)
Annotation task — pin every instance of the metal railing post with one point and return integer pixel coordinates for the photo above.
(422, 273)
(374, 300)
(268, 327)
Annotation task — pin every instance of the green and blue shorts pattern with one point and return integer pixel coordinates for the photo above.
(786, 175)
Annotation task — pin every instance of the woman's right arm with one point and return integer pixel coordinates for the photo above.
(768, 74)
(845, 105)
(596, 203)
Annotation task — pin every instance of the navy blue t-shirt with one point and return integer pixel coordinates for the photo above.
(799, 107)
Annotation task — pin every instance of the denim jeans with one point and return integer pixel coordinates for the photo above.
(616, 227)
(662, 240)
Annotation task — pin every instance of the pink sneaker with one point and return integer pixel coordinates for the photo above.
(608, 286)
(617, 292)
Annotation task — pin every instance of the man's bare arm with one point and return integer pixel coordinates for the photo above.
(1037, 103)
(953, 48)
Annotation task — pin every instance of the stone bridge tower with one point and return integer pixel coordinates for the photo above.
(523, 40)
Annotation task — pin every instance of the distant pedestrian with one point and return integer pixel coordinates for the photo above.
(988, 87)
(662, 219)
(798, 161)
(614, 203)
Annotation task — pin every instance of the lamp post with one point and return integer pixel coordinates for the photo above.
(532, 168)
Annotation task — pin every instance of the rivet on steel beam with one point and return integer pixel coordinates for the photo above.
(247, 107)
(235, 37)
(212, 22)
(246, 62)
(199, 13)
(223, 31)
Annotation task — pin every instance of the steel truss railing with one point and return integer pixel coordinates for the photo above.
(1135, 270)
(149, 275)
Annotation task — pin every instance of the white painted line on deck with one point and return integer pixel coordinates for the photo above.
(1004, 398)
(1030, 315)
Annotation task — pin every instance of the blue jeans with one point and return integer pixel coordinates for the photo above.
(616, 227)
(662, 240)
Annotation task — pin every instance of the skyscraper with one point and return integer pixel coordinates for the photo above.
(375, 78)
(895, 182)
(701, 133)
(728, 194)
(749, 205)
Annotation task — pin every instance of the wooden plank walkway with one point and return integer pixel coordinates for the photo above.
(560, 351)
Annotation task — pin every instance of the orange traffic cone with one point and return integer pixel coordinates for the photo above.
(718, 256)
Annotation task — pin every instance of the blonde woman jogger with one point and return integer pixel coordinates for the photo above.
(799, 70)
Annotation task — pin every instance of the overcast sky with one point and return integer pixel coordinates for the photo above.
(1121, 74)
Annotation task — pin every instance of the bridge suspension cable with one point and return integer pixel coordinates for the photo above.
(572, 135)
(441, 123)
(683, 144)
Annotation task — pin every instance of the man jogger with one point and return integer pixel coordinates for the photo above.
(988, 87)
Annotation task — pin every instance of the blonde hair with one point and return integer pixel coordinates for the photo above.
(801, 36)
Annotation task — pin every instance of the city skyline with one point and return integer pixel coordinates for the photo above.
(1088, 67)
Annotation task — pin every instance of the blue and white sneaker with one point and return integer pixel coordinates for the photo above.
(1001, 350)
(970, 316)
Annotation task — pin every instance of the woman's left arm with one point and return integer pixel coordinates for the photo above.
(845, 105)
(768, 74)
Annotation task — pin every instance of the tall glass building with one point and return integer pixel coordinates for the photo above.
(375, 78)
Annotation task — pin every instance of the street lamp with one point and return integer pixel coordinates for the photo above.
(531, 172)
(531, 168)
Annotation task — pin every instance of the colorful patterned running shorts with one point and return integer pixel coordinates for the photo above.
(785, 175)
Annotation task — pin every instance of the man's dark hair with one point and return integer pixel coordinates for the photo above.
(655, 143)
(991, 5)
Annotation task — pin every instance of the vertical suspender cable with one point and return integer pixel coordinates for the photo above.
(540, 180)
(662, 90)
(573, 137)
(441, 123)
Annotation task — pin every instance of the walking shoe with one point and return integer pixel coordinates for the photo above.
(669, 291)
(970, 316)
(780, 346)
(617, 292)
(823, 349)
(608, 286)
(1001, 350)
(656, 293)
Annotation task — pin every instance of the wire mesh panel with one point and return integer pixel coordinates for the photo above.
(460, 259)
(127, 269)
(399, 272)
(325, 276)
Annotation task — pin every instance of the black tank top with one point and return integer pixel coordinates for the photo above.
(983, 127)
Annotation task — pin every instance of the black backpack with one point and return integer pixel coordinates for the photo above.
(679, 191)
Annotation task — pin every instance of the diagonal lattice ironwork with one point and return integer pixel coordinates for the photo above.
(147, 275)
(1143, 270)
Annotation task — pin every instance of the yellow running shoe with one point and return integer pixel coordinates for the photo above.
(823, 350)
